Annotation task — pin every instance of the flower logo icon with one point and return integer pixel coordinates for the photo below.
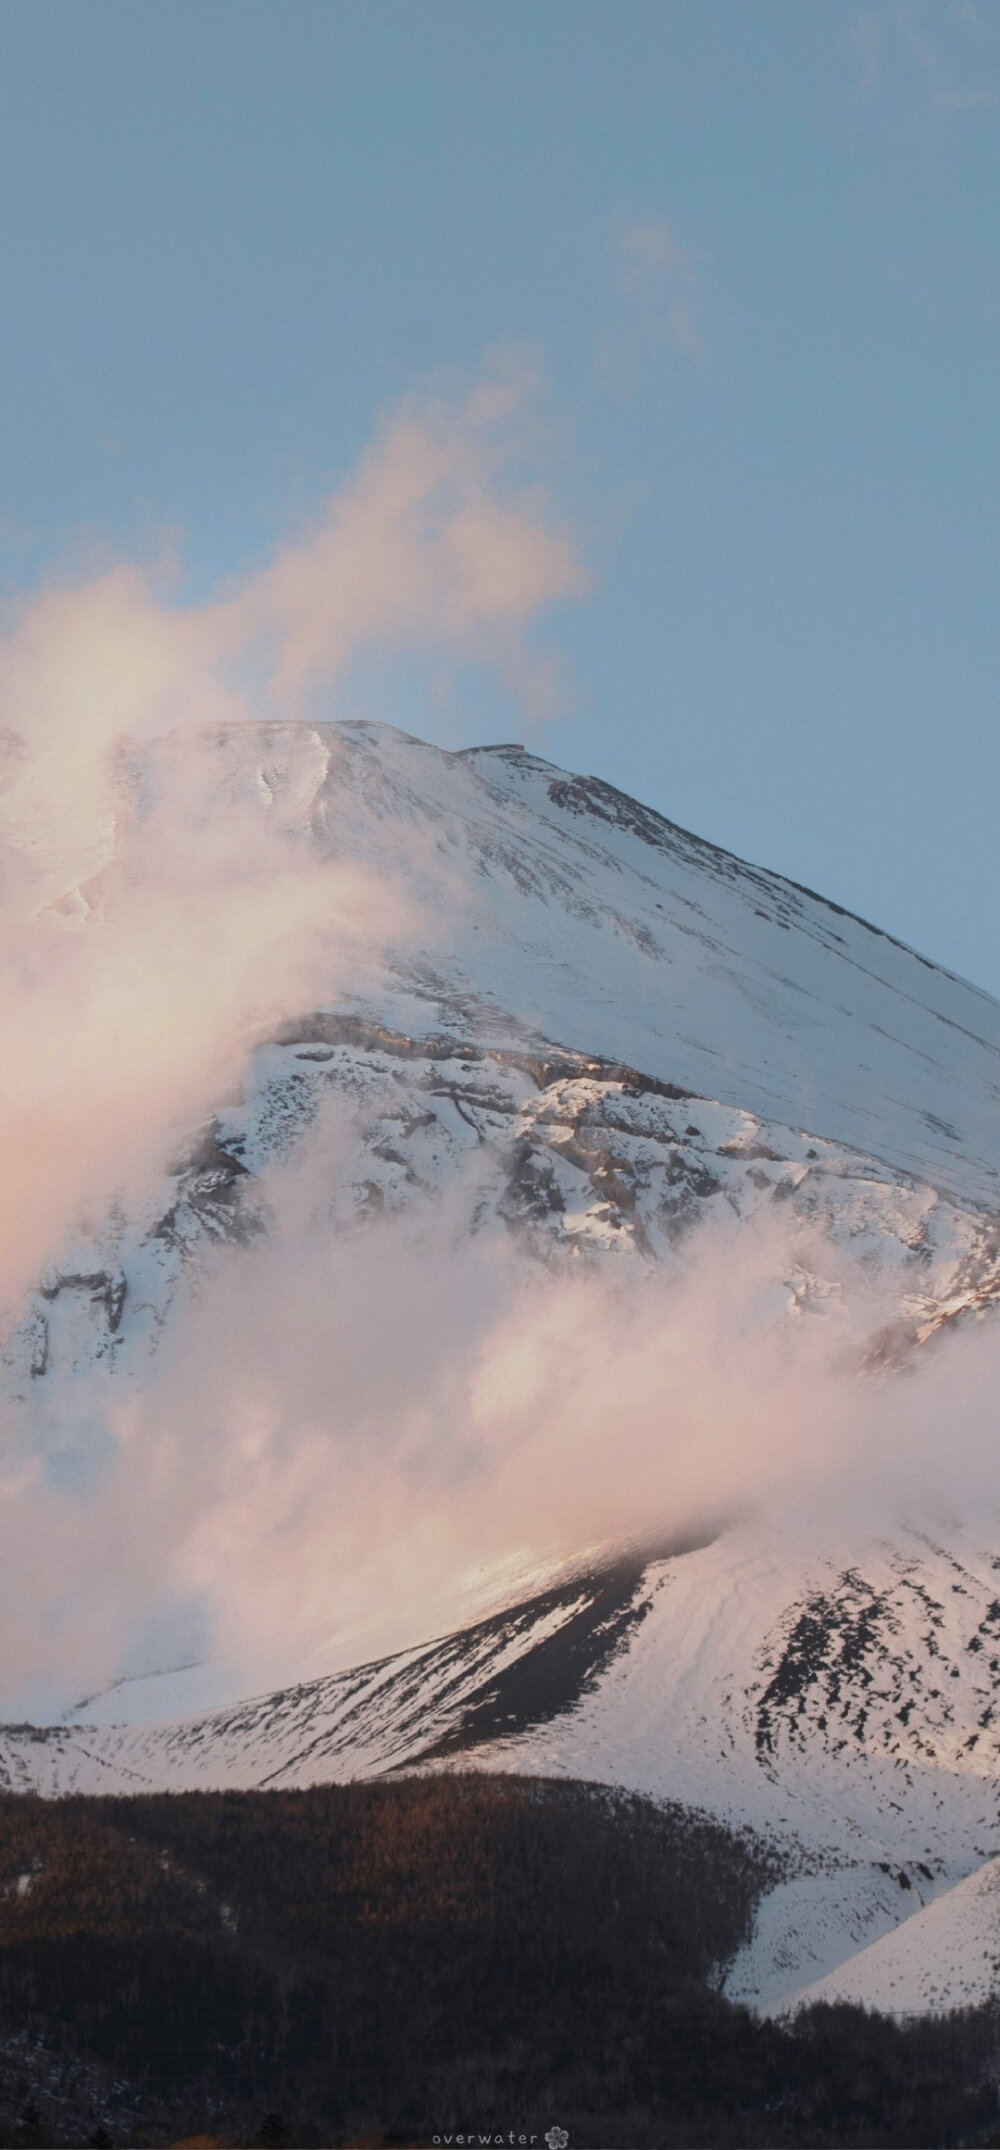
(557, 2138)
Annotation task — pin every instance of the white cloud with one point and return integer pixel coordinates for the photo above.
(661, 281)
(657, 286)
(337, 1432)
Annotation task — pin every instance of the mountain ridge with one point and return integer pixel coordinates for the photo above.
(587, 787)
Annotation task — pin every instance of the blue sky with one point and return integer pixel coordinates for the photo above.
(750, 250)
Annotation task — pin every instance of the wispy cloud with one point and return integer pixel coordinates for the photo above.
(658, 294)
(943, 53)
(429, 548)
(982, 100)
(867, 37)
(662, 279)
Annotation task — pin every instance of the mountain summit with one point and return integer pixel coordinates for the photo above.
(556, 908)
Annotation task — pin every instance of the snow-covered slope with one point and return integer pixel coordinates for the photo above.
(947, 1955)
(816, 1922)
(795, 1693)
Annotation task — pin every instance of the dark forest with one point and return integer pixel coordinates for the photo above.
(381, 1963)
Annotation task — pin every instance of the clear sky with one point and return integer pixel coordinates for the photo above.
(751, 249)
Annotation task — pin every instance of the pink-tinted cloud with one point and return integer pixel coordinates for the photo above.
(427, 549)
(344, 1443)
(143, 948)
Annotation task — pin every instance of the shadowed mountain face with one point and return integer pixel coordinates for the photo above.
(503, 1676)
(796, 1692)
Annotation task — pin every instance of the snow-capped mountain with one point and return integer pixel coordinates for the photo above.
(621, 1028)
(595, 1033)
(556, 910)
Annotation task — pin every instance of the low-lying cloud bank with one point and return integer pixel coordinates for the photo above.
(358, 1436)
(347, 1444)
